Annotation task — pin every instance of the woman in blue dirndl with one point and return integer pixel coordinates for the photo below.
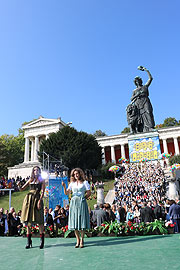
(79, 219)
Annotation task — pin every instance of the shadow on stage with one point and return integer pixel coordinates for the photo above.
(111, 241)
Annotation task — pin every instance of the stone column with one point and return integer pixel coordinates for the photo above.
(176, 146)
(32, 150)
(103, 156)
(165, 146)
(123, 151)
(26, 153)
(36, 148)
(113, 158)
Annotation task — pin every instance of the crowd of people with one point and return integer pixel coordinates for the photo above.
(140, 196)
(11, 224)
(11, 183)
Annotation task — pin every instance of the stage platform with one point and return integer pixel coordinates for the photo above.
(100, 253)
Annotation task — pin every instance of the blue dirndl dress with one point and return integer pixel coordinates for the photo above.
(79, 218)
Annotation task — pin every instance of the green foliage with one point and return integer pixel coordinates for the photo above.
(129, 228)
(125, 130)
(104, 171)
(76, 149)
(2, 158)
(168, 122)
(157, 226)
(174, 159)
(11, 151)
(99, 133)
(67, 233)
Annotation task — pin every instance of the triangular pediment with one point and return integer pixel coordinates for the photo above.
(41, 121)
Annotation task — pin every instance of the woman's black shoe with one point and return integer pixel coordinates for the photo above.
(41, 241)
(29, 241)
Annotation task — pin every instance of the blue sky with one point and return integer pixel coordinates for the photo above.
(77, 59)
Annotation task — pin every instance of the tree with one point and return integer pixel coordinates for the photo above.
(159, 126)
(99, 133)
(125, 130)
(13, 151)
(76, 149)
(170, 121)
(174, 159)
(2, 159)
(104, 171)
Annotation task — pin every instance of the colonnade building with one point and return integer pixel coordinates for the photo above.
(34, 132)
(113, 147)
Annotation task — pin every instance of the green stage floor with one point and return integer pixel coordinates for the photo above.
(148, 252)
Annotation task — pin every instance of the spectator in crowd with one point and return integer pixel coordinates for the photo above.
(56, 218)
(130, 215)
(9, 220)
(6, 221)
(94, 216)
(15, 224)
(174, 213)
(116, 213)
(101, 215)
(63, 217)
(157, 210)
(136, 214)
(48, 219)
(122, 213)
(109, 213)
(2, 223)
(147, 214)
(67, 210)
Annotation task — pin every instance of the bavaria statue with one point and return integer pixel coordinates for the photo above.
(140, 112)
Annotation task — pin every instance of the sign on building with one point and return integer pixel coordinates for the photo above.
(144, 148)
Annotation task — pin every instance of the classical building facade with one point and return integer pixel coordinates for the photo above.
(34, 132)
(115, 147)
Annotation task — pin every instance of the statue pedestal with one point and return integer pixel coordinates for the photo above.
(144, 146)
(172, 193)
(100, 193)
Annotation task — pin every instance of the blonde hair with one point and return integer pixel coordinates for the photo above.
(81, 175)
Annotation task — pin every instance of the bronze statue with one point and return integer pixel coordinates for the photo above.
(140, 112)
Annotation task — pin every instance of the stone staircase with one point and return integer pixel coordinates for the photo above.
(111, 193)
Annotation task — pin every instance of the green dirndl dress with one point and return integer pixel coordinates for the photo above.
(79, 218)
(30, 213)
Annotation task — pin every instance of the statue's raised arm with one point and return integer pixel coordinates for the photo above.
(149, 75)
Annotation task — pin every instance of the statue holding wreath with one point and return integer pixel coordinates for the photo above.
(140, 112)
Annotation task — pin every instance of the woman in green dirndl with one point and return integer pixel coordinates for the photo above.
(79, 219)
(32, 209)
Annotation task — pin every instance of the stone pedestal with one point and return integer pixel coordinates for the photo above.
(100, 194)
(24, 169)
(172, 193)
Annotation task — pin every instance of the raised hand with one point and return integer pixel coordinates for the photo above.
(141, 68)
